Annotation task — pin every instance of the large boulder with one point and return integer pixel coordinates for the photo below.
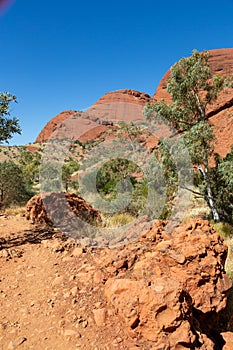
(50, 208)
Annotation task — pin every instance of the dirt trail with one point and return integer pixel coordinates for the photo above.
(51, 295)
(58, 295)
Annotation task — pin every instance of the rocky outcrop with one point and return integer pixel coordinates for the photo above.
(53, 124)
(171, 295)
(164, 290)
(126, 95)
(120, 105)
(47, 208)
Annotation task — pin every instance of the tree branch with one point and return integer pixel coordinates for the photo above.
(194, 192)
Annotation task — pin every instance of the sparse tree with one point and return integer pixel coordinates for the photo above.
(13, 189)
(69, 169)
(193, 88)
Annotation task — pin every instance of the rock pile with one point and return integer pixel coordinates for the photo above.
(171, 294)
(161, 291)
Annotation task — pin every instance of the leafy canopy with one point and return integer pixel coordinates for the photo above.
(192, 88)
(8, 126)
(13, 189)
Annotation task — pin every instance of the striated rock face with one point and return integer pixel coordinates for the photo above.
(121, 105)
(221, 112)
(172, 294)
(37, 208)
(53, 124)
(126, 95)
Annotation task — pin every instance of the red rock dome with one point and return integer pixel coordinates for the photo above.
(126, 105)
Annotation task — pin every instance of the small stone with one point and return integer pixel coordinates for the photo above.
(61, 323)
(72, 278)
(57, 280)
(117, 341)
(16, 343)
(74, 291)
(71, 333)
(98, 304)
(77, 252)
(85, 324)
(99, 317)
(4, 253)
(98, 277)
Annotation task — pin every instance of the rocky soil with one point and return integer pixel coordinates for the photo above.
(161, 291)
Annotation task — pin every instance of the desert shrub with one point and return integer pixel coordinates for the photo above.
(13, 189)
(224, 229)
(117, 220)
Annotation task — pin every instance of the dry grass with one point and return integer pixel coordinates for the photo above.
(117, 220)
(15, 210)
(226, 231)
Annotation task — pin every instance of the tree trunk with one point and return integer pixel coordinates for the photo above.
(211, 203)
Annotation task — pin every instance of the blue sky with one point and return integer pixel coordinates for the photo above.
(59, 55)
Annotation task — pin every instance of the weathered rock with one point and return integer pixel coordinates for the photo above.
(60, 208)
(172, 295)
(53, 124)
(99, 316)
(121, 105)
(228, 339)
(126, 105)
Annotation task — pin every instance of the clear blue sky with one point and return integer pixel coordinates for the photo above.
(58, 55)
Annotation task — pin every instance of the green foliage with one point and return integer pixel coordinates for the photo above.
(50, 177)
(228, 83)
(120, 176)
(192, 89)
(68, 169)
(113, 172)
(170, 176)
(200, 142)
(221, 177)
(30, 165)
(8, 126)
(13, 189)
(132, 132)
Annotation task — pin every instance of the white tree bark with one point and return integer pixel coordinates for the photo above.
(213, 209)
